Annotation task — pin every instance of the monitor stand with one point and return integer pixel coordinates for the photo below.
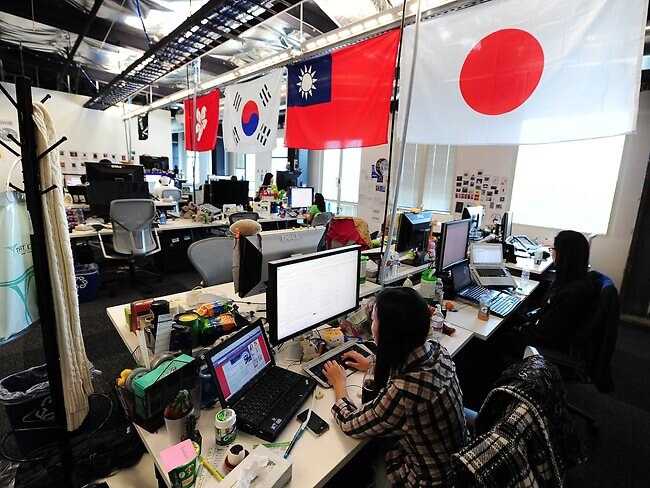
(291, 351)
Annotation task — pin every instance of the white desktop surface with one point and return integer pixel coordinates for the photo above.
(315, 459)
(535, 269)
(467, 315)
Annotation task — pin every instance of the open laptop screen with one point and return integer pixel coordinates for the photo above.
(460, 276)
(487, 254)
(239, 362)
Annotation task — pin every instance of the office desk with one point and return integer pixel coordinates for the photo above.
(467, 315)
(315, 459)
(535, 269)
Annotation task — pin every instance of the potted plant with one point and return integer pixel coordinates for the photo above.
(176, 414)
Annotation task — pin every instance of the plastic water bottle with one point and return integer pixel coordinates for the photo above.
(525, 276)
(329, 206)
(437, 322)
(439, 292)
(428, 286)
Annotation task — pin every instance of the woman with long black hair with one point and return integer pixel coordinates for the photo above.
(418, 410)
(569, 301)
(317, 208)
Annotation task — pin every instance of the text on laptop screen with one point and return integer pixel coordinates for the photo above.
(486, 254)
(238, 363)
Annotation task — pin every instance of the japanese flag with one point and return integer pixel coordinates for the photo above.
(251, 110)
(525, 72)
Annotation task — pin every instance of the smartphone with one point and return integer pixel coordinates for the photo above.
(316, 424)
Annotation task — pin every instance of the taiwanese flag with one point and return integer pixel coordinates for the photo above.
(342, 99)
(201, 125)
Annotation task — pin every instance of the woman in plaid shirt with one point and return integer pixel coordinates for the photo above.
(418, 409)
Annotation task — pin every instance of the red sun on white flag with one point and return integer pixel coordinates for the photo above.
(501, 71)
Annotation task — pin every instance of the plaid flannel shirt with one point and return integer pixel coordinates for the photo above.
(420, 412)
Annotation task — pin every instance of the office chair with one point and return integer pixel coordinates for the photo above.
(590, 355)
(524, 435)
(134, 236)
(322, 218)
(173, 193)
(212, 259)
(243, 215)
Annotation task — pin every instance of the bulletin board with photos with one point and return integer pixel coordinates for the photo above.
(479, 187)
(74, 162)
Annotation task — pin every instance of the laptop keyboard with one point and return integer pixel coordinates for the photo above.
(273, 385)
(491, 272)
(315, 366)
(501, 304)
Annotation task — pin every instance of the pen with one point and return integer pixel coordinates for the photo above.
(301, 429)
(212, 471)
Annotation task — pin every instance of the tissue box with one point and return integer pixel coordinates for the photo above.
(275, 475)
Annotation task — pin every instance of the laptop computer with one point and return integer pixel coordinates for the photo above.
(501, 304)
(264, 396)
(486, 266)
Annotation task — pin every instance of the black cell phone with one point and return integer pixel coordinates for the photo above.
(316, 424)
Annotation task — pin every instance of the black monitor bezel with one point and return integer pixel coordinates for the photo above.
(467, 214)
(301, 188)
(406, 228)
(443, 239)
(229, 191)
(271, 291)
(507, 217)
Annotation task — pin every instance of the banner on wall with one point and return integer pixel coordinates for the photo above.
(342, 99)
(251, 110)
(202, 124)
(143, 127)
(513, 72)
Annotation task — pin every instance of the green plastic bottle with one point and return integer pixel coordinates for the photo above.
(428, 285)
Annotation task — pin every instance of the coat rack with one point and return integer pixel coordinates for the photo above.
(33, 194)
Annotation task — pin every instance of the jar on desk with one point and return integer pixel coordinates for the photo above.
(363, 269)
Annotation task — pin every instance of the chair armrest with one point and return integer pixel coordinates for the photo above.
(101, 245)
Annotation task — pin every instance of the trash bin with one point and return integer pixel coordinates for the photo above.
(27, 401)
(86, 279)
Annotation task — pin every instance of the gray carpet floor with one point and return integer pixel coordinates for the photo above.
(618, 454)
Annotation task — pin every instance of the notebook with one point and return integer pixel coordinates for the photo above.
(486, 266)
(264, 396)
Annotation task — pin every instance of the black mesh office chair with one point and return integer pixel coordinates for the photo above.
(591, 353)
(134, 235)
(243, 215)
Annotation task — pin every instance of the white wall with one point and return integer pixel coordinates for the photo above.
(91, 131)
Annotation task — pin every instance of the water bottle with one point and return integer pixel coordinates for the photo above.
(439, 292)
(329, 206)
(163, 218)
(437, 322)
(484, 306)
(428, 286)
(525, 276)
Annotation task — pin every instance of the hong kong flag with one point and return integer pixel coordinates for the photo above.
(201, 125)
(515, 72)
(342, 99)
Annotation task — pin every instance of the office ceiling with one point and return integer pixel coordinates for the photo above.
(87, 46)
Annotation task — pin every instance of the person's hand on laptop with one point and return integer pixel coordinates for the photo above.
(356, 360)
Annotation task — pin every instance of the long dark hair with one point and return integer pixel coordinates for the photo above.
(319, 201)
(267, 179)
(571, 257)
(403, 325)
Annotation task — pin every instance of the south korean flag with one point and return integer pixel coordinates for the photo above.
(251, 110)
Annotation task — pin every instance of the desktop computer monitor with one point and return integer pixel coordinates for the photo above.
(228, 191)
(332, 278)
(114, 172)
(454, 237)
(252, 256)
(301, 196)
(475, 214)
(414, 230)
(113, 181)
(154, 162)
(506, 225)
(286, 179)
(71, 180)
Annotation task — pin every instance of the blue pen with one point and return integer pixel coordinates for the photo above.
(301, 429)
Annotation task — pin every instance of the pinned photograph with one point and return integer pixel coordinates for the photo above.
(499, 205)
(502, 199)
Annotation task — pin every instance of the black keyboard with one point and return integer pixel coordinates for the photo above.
(501, 304)
(491, 272)
(315, 367)
(257, 403)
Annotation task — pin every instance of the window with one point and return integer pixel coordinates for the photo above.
(427, 177)
(569, 185)
(340, 179)
(249, 175)
(279, 157)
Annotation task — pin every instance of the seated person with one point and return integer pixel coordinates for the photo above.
(163, 183)
(266, 182)
(418, 410)
(317, 208)
(567, 304)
